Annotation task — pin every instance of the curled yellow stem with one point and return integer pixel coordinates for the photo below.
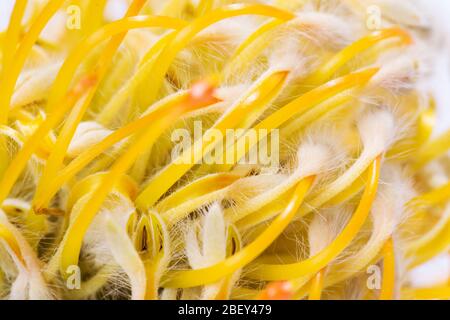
(431, 244)
(322, 259)
(290, 4)
(439, 292)
(11, 39)
(432, 150)
(94, 284)
(234, 244)
(125, 186)
(94, 16)
(388, 283)
(302, 104)
(281, 290)
(189, 32)
(204, 6)
(32, 144)
(212, 274)
(55, 161)
(243, 113)
(10, 239)
(426, 123)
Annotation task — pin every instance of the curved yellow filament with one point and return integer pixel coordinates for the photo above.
(350, 192)
(55, 161)
(32, 144)
(315, 291)
(323, 258)
(234, 244)
(10, 43)
(432, 150)
(388, 283)
(26, 127)
(243, 113)
(315, 113)
(330, 67)
(281, 290)
(12, 134)
(431, 244)
(11, 241)
(71, 64)
(87, 156)
(192, 278)
(4, 156)
(71, 244)
(188, 33)
(198, 188)
(124, 187)
(13, 61)
(106, 166)
(112, 108)
(302, 104)
(150, 240)
(266, 213)
(439, 292)
(173, 8)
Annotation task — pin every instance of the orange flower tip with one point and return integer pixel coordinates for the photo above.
(281, 290)
(203, 93)
(85, 83)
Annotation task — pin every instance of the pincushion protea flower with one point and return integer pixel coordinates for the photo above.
(100, 199)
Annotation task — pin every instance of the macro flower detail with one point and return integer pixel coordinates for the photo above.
(214, 150)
